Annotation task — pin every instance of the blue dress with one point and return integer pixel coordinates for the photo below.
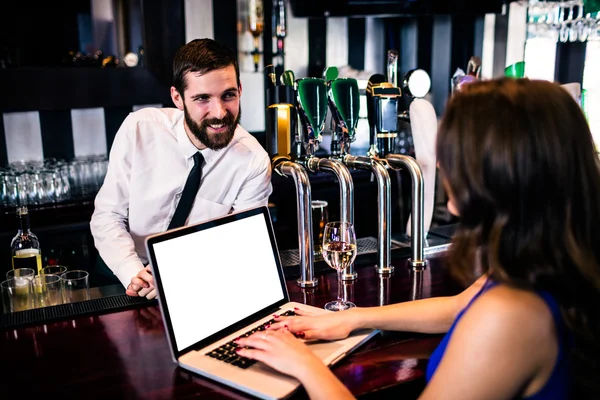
(557, 385)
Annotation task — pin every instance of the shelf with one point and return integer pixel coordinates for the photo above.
(52, 216)
(35, 89)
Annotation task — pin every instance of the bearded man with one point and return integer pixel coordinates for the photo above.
(159, 156)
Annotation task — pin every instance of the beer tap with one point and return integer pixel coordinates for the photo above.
(422, 118)
(343, 100)
(382, 108)
(280, 128)
(375, 80)
(312, 110)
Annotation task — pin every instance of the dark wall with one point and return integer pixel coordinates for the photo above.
(36, 73)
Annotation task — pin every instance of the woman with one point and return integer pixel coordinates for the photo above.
(519, 166)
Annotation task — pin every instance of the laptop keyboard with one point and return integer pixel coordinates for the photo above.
(227, 353)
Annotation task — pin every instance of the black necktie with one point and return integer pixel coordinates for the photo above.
(189, 193)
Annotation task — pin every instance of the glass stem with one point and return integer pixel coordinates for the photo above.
(340, 296)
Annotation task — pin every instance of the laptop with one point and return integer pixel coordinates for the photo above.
(219, 280)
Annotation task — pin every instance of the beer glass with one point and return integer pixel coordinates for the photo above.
(320, 218)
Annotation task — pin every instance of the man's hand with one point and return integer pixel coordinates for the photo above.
(142, 285)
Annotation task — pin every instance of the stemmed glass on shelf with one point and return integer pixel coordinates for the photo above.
(339, 252)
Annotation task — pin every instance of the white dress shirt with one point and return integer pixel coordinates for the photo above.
(149, 163)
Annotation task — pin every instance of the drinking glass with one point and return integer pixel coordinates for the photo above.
(27, 273)
(54, 270)
(47, 290)
(17, 294)
(319, 218)
(339, 252)
(76, 286)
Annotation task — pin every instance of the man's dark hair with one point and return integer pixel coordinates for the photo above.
(202, 56)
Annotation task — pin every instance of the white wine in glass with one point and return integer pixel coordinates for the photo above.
(339, 252)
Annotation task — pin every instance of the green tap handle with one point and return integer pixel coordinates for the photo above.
(330, 73)
(287, 78)
(312, 100)
(346, 97)
(516, 70)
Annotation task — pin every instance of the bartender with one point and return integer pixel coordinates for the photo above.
(170, 167)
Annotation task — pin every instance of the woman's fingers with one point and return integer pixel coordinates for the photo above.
(301, 312)
(309, 334)
(265, 339)
(278, 349)
(252, 353)
(259, 340)
(289, 323)
(296, 324)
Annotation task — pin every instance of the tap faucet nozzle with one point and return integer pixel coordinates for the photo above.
(417, 237)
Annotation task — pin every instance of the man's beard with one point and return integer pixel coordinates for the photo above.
(217, 140)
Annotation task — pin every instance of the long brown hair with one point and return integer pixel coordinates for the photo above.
(519, 161)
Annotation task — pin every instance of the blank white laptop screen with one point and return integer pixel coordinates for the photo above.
(216, 277)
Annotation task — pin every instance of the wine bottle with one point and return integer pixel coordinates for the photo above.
(25, 246)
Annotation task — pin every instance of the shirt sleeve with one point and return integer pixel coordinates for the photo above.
(109, 223)
(257, 188)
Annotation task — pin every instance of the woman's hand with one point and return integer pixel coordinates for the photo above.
(280, 350)
(305, 325)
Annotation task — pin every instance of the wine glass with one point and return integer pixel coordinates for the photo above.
(339, 252)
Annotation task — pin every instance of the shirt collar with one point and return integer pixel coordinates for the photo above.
(187, 147)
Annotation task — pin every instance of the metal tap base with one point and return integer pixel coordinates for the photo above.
(350, 277)
(385, 271)
(416, 265)
(308, 284)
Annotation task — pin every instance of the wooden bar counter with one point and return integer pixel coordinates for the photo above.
(124, 354)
